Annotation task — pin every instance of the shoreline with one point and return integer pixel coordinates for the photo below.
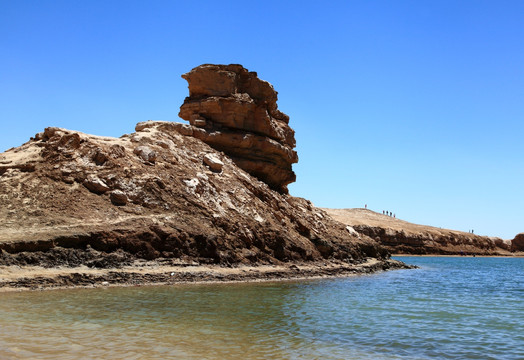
(34, 278)
(16, 278)
(517, 255)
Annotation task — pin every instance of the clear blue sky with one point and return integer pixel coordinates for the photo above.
(416, 107)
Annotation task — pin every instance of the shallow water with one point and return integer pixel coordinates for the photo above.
(450, 308)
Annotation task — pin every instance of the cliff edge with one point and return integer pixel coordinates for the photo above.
(402, 237)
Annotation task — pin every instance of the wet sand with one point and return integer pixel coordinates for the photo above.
(18, 278)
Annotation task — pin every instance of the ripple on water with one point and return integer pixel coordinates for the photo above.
(450, 308)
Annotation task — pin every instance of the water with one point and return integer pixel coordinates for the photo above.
(450, 308)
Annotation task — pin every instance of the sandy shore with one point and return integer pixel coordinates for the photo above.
(19, 278)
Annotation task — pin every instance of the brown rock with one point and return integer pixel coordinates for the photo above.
(117, 151)
(95, 185)
(517, 244)
(237, 114)
(145, 153)
(402, 237)
(213, 162)
(176, 209)
(118, 197)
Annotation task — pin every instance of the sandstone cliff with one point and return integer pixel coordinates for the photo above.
(402, 237)
(234, 111)
(68, 198)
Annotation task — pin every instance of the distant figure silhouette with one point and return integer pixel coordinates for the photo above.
(366, 206)
(383, 212)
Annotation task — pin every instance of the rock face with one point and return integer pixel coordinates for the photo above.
(233, 111)
(68, 198)
(402, 237)
(517, 244)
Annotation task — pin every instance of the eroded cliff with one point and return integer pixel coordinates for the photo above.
(402, 237)
(234, 111)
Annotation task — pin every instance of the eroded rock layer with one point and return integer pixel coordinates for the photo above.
(68, 198)
(237, 113)
(402, 237)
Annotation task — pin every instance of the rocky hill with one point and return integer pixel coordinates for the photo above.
(402, 237)
(209, 192)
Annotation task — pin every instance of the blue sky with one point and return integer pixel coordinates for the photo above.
(416, 107)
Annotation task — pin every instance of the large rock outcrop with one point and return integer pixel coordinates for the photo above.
(235, 112)
(68, 198)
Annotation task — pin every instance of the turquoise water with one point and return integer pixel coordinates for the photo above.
(450, 308)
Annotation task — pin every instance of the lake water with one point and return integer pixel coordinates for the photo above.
(450, 308)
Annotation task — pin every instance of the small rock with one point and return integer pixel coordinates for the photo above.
(213, 162)
(192, 183)
(99, 157)
(94, 184)
(144, 125)
(69, 179)
(145, 153)
(39, 136)
(352, 231)
(184, 129)
(118, 197)
(164, 144)
(50, 132)
(69, 141)
(117, 151)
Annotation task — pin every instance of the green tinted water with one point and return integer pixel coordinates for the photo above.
(456, 308)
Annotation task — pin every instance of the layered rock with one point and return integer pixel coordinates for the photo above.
(68, 198)
(235, 112)
(402, 237)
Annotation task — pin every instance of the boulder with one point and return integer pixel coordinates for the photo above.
(118, 197)
(145, 153)
(517, 244)
(96, 185)
(235, 112)
(213, 162)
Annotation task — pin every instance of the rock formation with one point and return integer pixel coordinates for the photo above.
(402, 237)
(517, 244)
(68, 198)
(233, 111)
